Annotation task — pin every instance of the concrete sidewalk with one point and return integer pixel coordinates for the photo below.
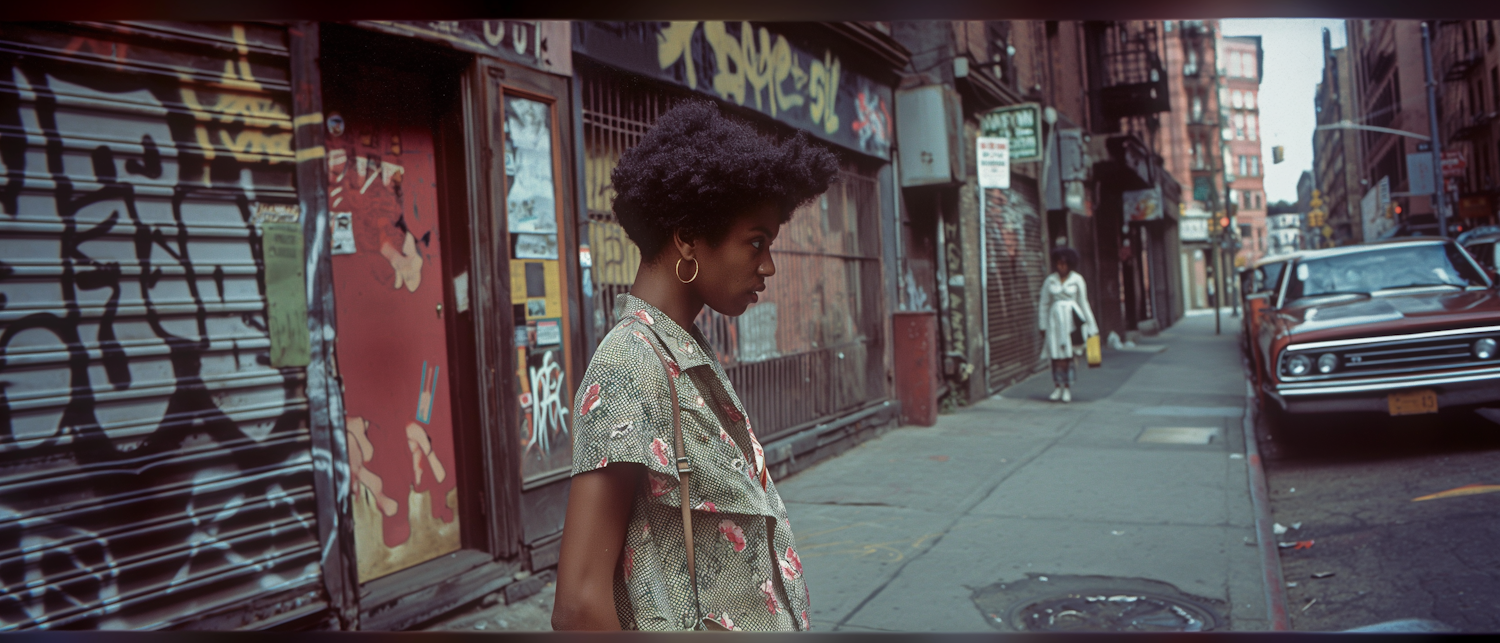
(952, 527)
(946, 528)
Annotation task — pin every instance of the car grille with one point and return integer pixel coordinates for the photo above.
(1396, 356)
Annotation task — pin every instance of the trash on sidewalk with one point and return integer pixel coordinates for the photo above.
(1309, 604)
(1300, 544)
(1292, 584)
(1236, 456)
(1114, 340)
(1116, 532)
(1466, 490)
(1281, 529)
(1322, 574)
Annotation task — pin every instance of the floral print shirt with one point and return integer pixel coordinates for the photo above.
(749, 574)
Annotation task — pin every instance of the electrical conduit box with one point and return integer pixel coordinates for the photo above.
(916, 345)
(929, 130)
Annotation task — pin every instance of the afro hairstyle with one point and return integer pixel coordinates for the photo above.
(697, 169)
(1066, 254)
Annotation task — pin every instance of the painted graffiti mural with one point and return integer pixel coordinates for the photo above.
(392, 341)
(803, 85)
(154, 466)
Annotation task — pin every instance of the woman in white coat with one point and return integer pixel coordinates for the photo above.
(1064, 306)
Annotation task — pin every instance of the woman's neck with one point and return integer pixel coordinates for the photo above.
(656, 285)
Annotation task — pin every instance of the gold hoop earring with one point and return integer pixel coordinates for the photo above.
(676, 272)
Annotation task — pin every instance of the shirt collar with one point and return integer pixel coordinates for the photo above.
(685, 347)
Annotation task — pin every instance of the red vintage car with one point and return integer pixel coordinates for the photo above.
(1400, 327)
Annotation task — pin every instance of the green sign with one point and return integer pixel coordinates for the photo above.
(1022, 124)
(286, 293)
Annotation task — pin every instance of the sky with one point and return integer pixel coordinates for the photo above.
(1293, 67)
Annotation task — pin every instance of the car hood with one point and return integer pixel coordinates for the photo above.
(1406, 312)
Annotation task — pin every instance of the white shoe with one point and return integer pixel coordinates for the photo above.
(1067, 395)
(1056, 394)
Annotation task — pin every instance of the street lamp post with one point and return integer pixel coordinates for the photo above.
(1439, 200)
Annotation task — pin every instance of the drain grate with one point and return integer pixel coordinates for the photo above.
(1096, 604)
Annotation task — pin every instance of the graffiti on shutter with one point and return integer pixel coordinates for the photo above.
(154, 467)
(1017, 263)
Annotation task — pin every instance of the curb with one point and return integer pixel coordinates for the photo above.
(1276, 610)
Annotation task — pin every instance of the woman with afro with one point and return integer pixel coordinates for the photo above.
(703, 196)
(1066, 320)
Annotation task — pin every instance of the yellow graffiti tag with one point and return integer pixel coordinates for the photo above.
(824, 88)
(675, 43)
(755, 67)
(252, 113)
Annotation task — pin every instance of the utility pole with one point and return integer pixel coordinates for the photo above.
(1439, 196)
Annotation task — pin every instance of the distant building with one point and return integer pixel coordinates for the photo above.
(1239, 105)
(1389, 81)
(1192, 143)
(1336, 158)
(1466, 59)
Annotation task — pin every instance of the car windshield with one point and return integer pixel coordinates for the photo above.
(1269, 276)
(1384, 268)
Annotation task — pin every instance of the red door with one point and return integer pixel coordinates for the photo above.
(392, 344)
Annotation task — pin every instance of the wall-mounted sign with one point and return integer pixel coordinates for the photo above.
(993, 155)
(541, 44)
(1192, 229)
(1143, 205)
(1021, 124)
(803, 84)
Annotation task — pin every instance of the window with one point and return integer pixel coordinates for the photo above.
(1244, 166)
(1199, 162)
(1234, 63)
(1250, 126)
(1248, 66)
(1245, 231)
(1255, 166)
(1237, 99)
(1191, 67)
(1239, 126)
(1249, 100)
(1197, 109)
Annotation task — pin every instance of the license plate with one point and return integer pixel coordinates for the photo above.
(1413, 402)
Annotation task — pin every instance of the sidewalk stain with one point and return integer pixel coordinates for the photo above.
(1178, 435)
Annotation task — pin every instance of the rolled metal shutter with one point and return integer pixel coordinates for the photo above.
(155, 470)
(1016, 264)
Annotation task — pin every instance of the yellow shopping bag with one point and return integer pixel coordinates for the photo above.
(1094, 353)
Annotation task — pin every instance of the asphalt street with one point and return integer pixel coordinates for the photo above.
(1377, 545)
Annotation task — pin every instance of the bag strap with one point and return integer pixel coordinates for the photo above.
(684, 473)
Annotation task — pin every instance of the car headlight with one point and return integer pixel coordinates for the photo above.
(1298, 365)
(1484, 348)
(1327, 362)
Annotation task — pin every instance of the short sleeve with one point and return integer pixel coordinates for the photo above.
(619, 415)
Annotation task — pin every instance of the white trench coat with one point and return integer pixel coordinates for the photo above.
(1061, 298)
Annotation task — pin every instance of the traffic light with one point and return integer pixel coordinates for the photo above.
(1278, 154)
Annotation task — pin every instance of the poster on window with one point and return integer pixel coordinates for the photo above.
(530, 204)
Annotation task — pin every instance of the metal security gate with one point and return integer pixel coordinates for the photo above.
(155, 470)
(1015, 265)
(813, 347)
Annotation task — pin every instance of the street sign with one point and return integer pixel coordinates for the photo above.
(1454, 164)
(1022, 124)
(993, 154)
(1419, 173)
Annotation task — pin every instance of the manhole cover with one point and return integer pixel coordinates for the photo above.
(1044, 603)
